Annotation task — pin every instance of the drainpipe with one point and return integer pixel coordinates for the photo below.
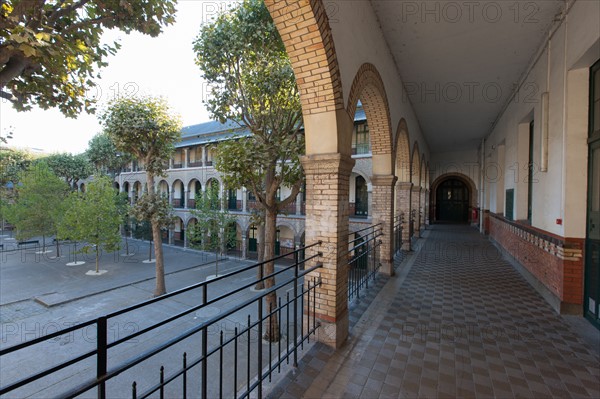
(482, 186)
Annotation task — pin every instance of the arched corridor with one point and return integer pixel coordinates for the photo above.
(459, 321)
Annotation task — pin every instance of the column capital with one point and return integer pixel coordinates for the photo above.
(404, 185)
(384, 180)
(327, 163)
(416, 189)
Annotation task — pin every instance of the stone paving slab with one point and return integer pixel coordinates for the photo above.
(459, 321)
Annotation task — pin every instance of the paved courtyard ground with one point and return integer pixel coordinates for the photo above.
(39, 295)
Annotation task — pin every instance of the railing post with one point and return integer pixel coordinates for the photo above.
(259, 340)
(204, 377)
(101, 355)
(296, 311)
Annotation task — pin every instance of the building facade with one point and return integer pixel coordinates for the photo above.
(191, 171)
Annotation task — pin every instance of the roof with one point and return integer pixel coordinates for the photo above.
(215, 131)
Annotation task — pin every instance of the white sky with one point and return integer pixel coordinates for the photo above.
(157, 66)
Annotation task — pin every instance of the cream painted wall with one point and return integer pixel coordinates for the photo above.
(464, 162)
(560, 192)
(358, 39)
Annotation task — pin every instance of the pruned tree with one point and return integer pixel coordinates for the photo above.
(50, 51)
(144, 128)
(124, 210)
(36, 210)
(70, 167)
(150, 211)
(105, 157)
(13, 162)
(242, 57)
(211, 232)
(93, 217)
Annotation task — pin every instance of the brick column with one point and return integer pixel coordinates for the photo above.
(422, 209)
(299, 204)
(415, 202)
(244, 200)
(426, 207)
(244, 246)
(383, 212)
(327, 199)
(403, 194)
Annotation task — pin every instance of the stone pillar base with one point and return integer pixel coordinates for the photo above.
(330, 333)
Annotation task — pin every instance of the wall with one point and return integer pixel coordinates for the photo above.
(558, 193)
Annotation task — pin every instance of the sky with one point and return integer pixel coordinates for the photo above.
(157, 66)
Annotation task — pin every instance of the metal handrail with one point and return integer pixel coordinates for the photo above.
(104, 375)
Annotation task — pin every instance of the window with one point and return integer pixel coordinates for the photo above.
(361, 143)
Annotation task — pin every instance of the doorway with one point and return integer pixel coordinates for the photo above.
(452, 197)
(591, 301)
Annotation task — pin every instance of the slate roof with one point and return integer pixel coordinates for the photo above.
(215, 131)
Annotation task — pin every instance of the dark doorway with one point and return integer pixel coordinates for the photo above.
(452, 201)
(592, 243)
(362, 197)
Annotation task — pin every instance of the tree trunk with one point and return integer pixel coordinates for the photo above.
(260, 271)
(158, 252)
(150, 249)
(272, 325)
(43, 243)
(97, 260)
(160, 267)
(57, 248)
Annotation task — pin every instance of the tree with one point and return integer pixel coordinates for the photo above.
(38, 204)
(211, 231)
(143, 128)
(150, 211)
(72, 168)
(13, 162)
(124, 210)
(50, 50)
(94, 217)
(243, 59)
(103, 154)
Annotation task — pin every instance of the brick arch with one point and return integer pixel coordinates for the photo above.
(368, 87)
(306, 34)
(453, 175)
(415, 165)
(402, 151)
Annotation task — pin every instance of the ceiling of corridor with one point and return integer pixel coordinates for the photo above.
(460, 61)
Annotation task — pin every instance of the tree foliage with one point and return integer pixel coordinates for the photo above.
(38, 203)
(243, 58)
(93, 217)
(70, 167)
(144, 128)
(103, 154)
(50, 51)
(12, 163)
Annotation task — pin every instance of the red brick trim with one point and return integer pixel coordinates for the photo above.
(557, 262)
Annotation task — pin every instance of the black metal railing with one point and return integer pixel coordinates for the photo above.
(398, 225)
(363, 258)
(215, 360)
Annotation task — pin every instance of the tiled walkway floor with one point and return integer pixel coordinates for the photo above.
(457, 321)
